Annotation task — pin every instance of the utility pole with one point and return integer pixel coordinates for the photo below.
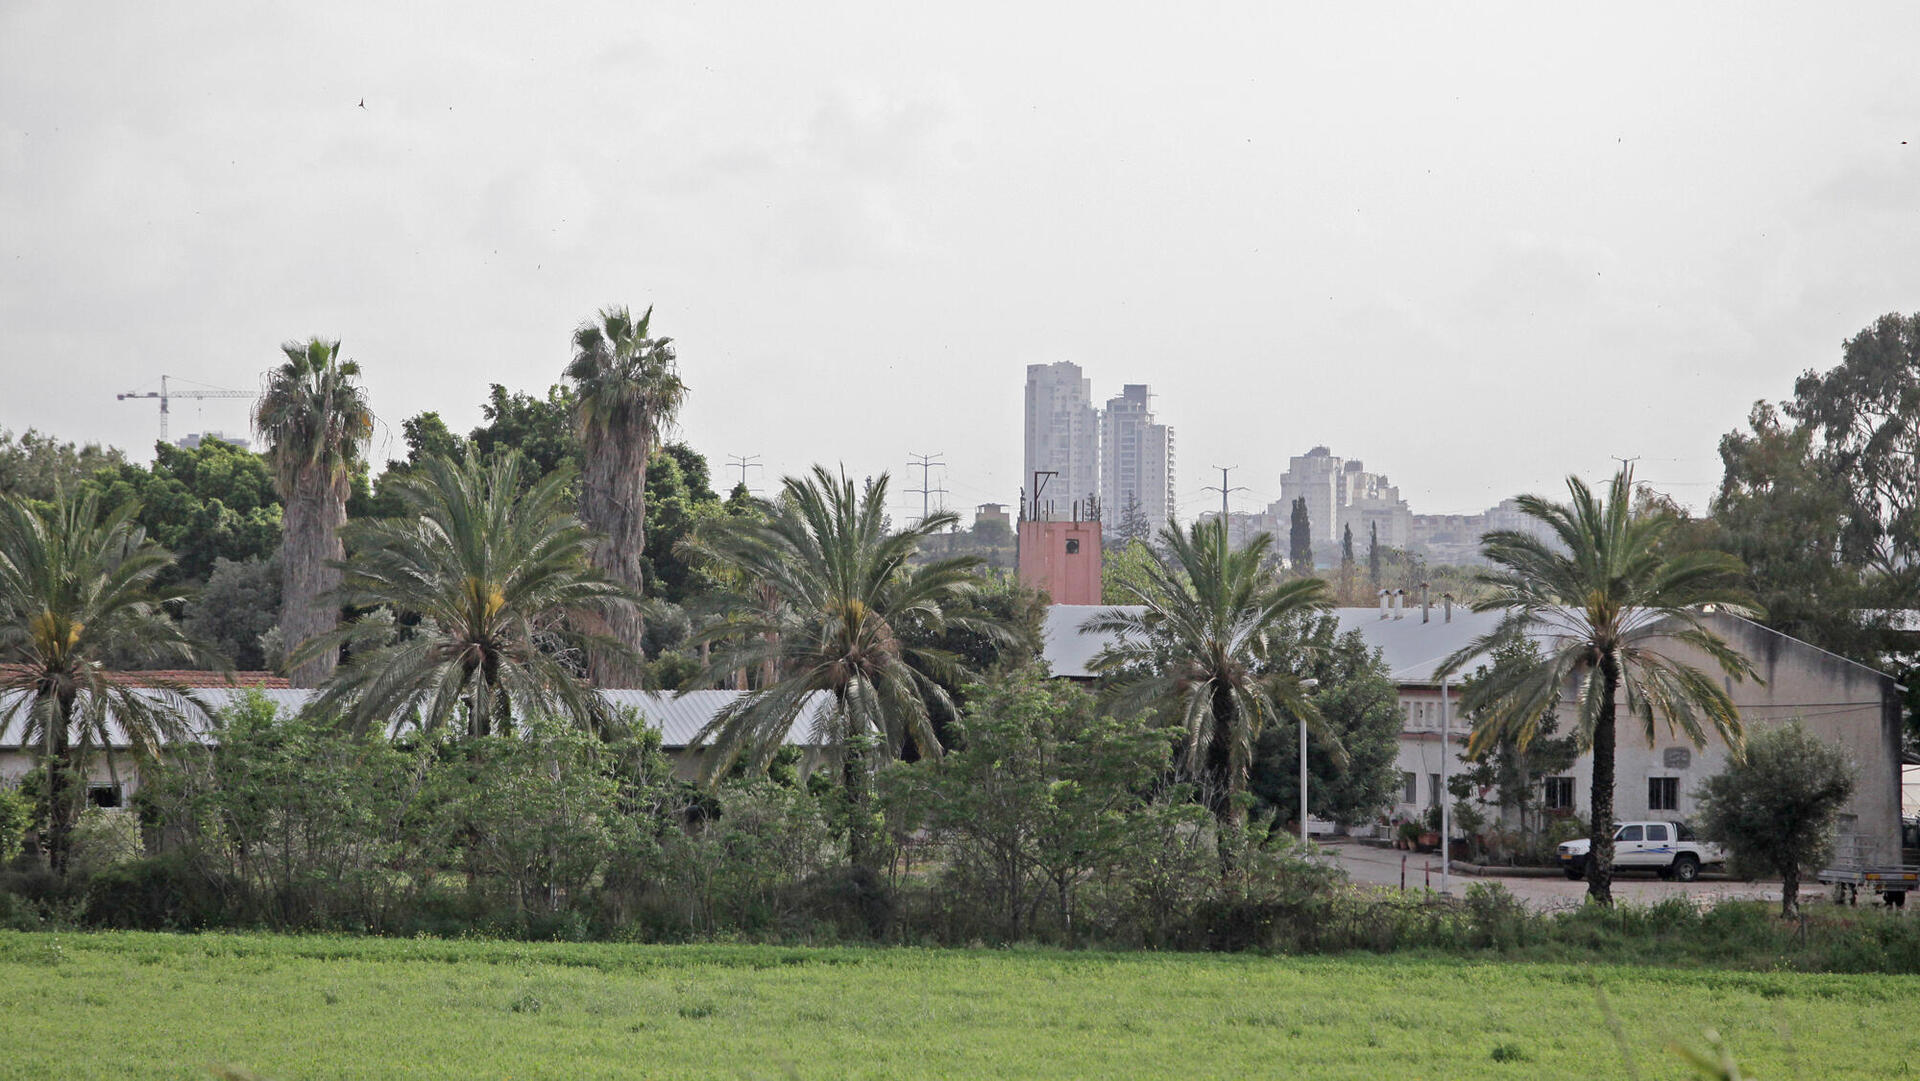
(1225, 525)
(926, 462)
(1446, 803)
(743, 463)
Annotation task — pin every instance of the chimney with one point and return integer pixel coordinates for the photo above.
(1384, 594)
(1426, 606)
(1399, 604)
(1446, 607)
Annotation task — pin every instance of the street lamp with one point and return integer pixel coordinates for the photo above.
(1305, 685)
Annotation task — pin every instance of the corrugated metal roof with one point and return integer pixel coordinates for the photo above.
(677, 718)
(1411, 649)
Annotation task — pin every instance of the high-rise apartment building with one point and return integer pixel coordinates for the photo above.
(1136, 457)
(1063, 437)
(1341, 494)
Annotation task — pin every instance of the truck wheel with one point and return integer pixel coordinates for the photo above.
(1895, 898)
(1686, 867)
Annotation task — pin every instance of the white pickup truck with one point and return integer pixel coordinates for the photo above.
(1668, 848)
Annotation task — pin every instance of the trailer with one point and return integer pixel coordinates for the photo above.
(1854, 870)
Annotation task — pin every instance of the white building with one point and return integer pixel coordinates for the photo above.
(1062, 437)
(1855, 707)
(1136, 457)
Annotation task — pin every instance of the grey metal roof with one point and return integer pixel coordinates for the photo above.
(678, 719)
(1411, 648)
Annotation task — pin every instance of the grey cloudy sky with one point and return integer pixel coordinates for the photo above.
(1479, 247)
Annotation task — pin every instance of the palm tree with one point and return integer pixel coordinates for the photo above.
(628, 390)
(498, 580)
(315, 420)
(76, 587)
(1208, 653)
(843, 613)
(1609, 606)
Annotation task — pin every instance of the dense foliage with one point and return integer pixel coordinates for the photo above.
(1776, 804)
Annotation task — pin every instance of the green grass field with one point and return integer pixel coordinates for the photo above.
(127, 1006)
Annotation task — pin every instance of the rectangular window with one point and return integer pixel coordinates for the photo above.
(1657, 832)
(1433, 789)
(1410, 788)
(104, 795)
(1558, 793)
(1663, 793)
(1629, 833)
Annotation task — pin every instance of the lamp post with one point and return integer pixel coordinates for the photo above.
(1446, 804)
(1305, 685)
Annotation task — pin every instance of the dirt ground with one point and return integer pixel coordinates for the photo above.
(1383, 866)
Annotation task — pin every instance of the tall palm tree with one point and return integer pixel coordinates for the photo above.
(1610, 607)
(844, 613)
(628, 391)
(498, 580)
(1207, 653)
(315, 420)
(77, 586)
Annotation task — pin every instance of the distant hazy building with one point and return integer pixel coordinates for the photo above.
(1243, 526)
(193, 440)
(1063, 437)
(1455, 538)
(1341, 494)
(1136, 457)
(992, 512)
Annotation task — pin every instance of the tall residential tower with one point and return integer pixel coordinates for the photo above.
(1136, 458)
(1063, 437)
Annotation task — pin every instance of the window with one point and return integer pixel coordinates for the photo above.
(1073, 546)
(1558, 793)
(104, 795)
(1409, 788)
(1433, 789)
(1656, 832)
(1663, 793)
(1629, 833)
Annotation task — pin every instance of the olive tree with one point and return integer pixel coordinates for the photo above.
(1775, 805)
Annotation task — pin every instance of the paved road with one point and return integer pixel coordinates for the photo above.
(1382, 867)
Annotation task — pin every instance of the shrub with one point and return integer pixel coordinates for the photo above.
(103, 838)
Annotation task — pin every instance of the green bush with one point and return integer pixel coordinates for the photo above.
(103, 838)
(16, 815)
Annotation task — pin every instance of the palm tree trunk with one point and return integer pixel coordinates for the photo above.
(1233, 815)
(62, 769)
(1600, 833)
(310, 542)
(613, 500)
(853, 778)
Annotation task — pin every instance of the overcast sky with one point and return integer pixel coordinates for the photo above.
(1479, 248)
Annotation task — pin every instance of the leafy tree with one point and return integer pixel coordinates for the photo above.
(1612, 604)
(1866, 415)
(16, 817)
(1347, 565)
(234, 611)
(680, 499)
(627, 389)
(497, 576)
(1776, 803)
(34, 465)
(843, 592)
(77, 585)
(315, 419)
(212, 502)
(544, 431)
(1300, 539)
(1358, 701)
(1373, 554)
(1125, 571)
(1036, 799)
(1207, 655)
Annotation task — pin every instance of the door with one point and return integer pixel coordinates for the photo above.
(1658, 849)
(1628, 845)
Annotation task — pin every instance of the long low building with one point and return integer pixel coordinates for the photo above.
(1846, 703)
(678, 719)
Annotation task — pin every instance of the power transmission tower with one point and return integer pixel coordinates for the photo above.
(1224, 490)
(743, 463)
(926, 462)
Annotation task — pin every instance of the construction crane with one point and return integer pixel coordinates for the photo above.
(165, 395)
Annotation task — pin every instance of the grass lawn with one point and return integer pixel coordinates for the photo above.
(127, 1006)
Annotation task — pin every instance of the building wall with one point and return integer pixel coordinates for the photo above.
(1062, 559)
